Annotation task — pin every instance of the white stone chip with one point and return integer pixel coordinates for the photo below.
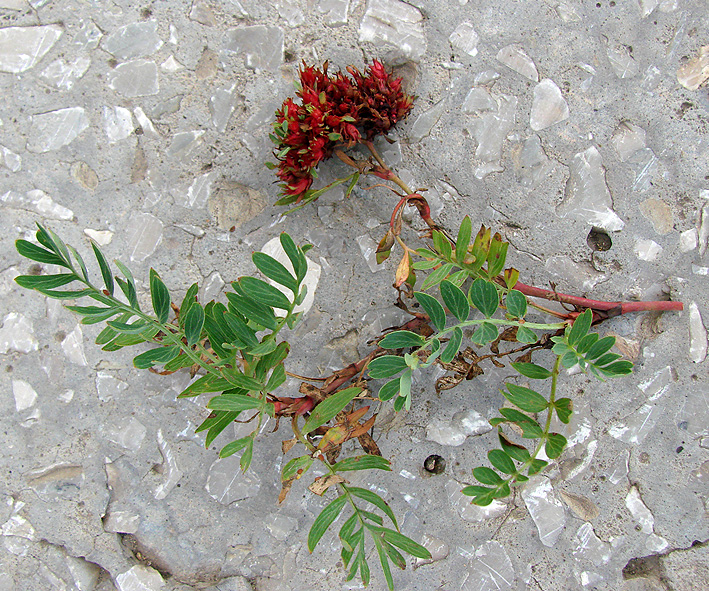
(199, 191)
(491, 570)
(695, 72)
(546, 509)
(688, 240)
(261, 46)
(628, 139)
(394, 23)
(38, 202)
(73, 346)
(226, 482)
(172, 472)
(312, 276)
(697, 335)
(64, 75)
(144, 237)
(334, 12)
(621, 60)
(10, 160)
(647, 250)
(133, 40)
(590, 547)
(17, 334)
(56, 129)
(117, 123)
(548, 106)
(25, 395)
(465, 38)
(515, 58)
(127, 432)
(100, 237)
(21, 48)
(136, 78)
(587, 195)
(641, 514)
(171, 65)
(424, 123)
(140, 578)
(145, 123)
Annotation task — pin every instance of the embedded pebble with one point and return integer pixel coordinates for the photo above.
(25, 395)
(697, 335)
(134, 40)
(56, 129)
(545, 508)
(587, 196)
(10, 160)
(226, 482)
(548, 106)
(622, 61)
(394, 23)
(491, 570)
(38, 202)
(515, 58)
(117, 123)
(140, 578)
(688, 240)
(21, 48)
(695, 72)
(135, 78)
(64, 75)
(424, 123)
(73, 346)
(659, 213)
(17, 334)
(628, 139)
(334, 12)
(647, 250)
(261, 46)
(144, 237)
(641, 514)
(171, 471)
(465, 38)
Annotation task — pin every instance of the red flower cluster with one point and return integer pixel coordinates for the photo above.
(335, 110)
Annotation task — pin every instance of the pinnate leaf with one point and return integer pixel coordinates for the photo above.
(156, 356)
(526, 399)
(329, 407)
(453, 346)
(486, 475)
(532, 370)
(455, 299)
(274, 270)
(400, 339)
(483, 295)
(501, 461)
(160, 297)
(433, 308)
(386, 366)
(194, 322)
(324, 520)
(564, 409)
(554, 445)
(516, 303)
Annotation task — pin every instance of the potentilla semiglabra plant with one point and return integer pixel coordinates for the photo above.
(238, 355)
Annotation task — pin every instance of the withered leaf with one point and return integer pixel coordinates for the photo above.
(287, 445)
(285, 489)
(322, 483)
(369, 445)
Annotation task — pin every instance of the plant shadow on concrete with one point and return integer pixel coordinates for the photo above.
(236, 351)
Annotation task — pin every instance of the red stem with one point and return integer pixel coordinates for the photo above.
(613, 308)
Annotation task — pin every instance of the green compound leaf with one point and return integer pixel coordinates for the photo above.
(39, 254)
(515, 451)
(105, 268)
(486, 475)
(189, 299)
(474, 489)
(205, 384)
(245, 461)
(555, 445)
(586, 342)
(274, 270)
(223, 420)
(564, 409)
(233, 402)
(433, 308)
(44, 281)
(600, 347)
(329, 408)
(453, 346)
(231, 448)
(296, 257)
(530, 427)
(438, 275)
(239, 380)
(525, 335)
(483, 296)
(260, 313)
(277, 378)
(516, 304)
(455, 299)
(485, 333)
(532, 370)
(580, 328)
(619, 368)
(526, 399)
(536, 465)
(156, 356)
(160, 297)
(194, 322)
(403, 542)
(324, 521)
(127, 286)
(264, 293)
(485, 498)
(374, 499)
(365, 462)
(389, 390)
(500, 460)
(296, 467)
(386, 366)
(401, 339)
(463, 240)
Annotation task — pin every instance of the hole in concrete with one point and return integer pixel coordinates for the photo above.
(598, 240)
(643, 567)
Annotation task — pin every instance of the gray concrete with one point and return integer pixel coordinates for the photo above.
(145, 127)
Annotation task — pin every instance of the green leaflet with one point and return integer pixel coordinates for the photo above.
(324, 520)
(328, 408)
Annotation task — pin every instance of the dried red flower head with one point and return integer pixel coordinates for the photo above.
(334, 111)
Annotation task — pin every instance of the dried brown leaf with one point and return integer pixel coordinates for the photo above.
(322, 483)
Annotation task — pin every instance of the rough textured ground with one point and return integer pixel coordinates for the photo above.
(144, 126)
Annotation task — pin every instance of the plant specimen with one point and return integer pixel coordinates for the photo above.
(236, 348)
